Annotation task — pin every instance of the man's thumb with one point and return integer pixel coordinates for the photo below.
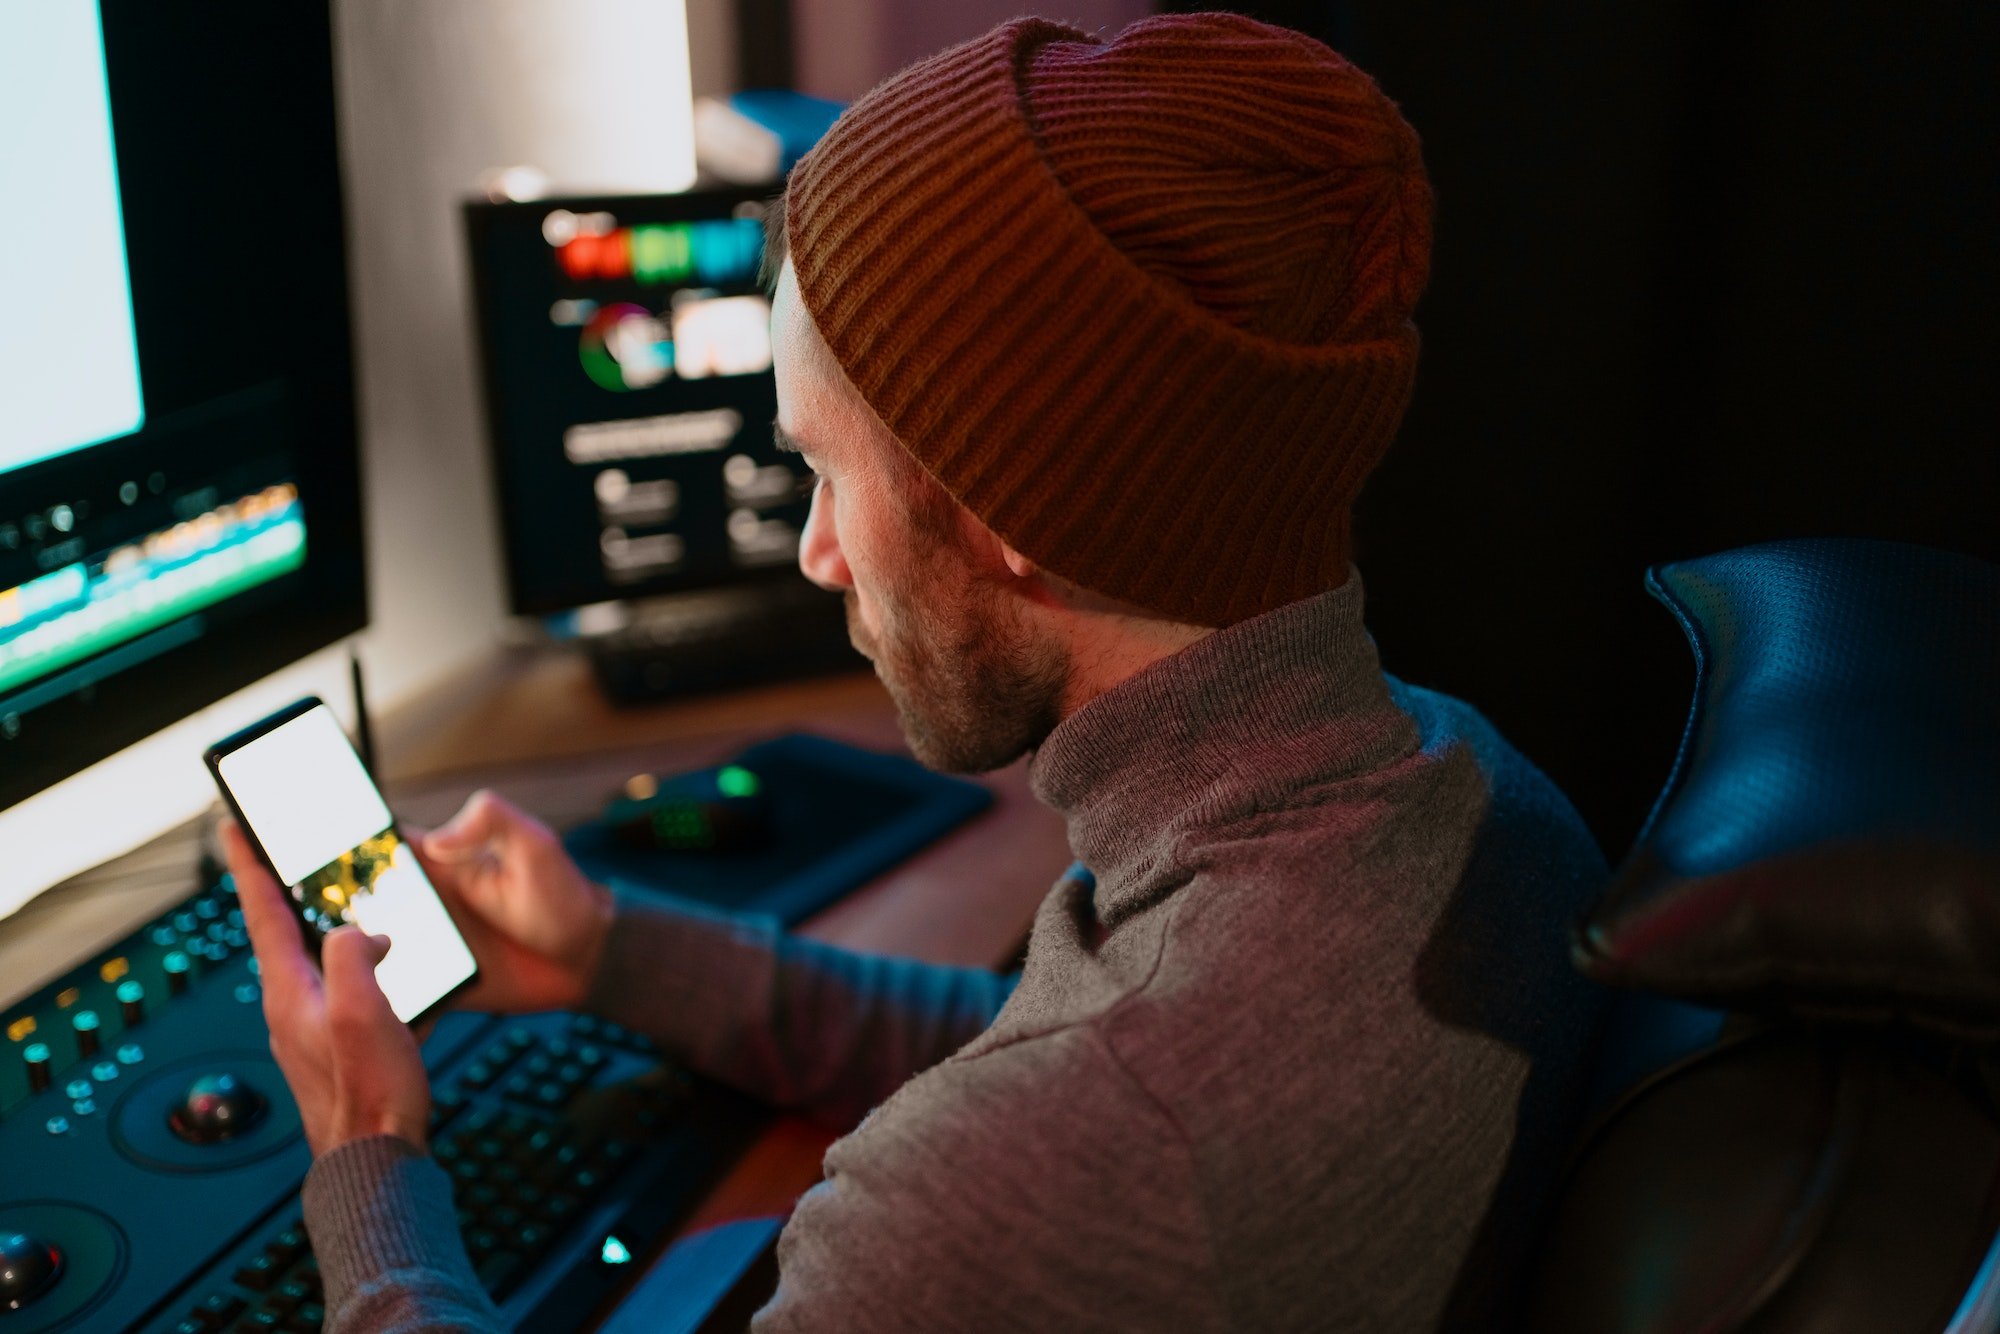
(348, 959)
(481, 821)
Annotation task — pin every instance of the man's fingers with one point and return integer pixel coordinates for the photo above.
(484, 820)
(282, 962)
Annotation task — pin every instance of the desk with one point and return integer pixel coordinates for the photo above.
(531, 725)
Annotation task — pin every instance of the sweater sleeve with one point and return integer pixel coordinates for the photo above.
(1030, 1187)
(380, 1215)
(790, 1021)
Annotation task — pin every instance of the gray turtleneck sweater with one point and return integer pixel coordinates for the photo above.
(1296, 1051)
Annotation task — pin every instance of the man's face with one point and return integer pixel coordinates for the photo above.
(930, 600)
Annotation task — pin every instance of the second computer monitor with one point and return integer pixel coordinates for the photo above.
(628, 368)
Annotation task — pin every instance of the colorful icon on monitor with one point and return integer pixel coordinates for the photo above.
(626, 347)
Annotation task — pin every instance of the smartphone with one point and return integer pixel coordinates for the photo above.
(302, 794)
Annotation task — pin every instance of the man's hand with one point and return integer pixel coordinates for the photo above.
(353, 1066)
(536, 923)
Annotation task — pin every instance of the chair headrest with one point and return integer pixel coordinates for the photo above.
(1829, 838)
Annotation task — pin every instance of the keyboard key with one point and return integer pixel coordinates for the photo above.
(218, 1309)
(444, 1108)
(259, 1273)
(287, 1246)
(307, 1319)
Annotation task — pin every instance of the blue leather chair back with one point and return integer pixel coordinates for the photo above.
(1802, 1131)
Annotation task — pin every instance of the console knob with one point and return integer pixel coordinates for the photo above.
(39, 1060)
(29, 1267)
(131, 1002)
(176, 966)
(86, 1024)
(215, 1108)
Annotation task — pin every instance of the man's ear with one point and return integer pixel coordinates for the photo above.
(1030, 581)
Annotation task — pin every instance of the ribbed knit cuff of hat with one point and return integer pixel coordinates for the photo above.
(1142, 306)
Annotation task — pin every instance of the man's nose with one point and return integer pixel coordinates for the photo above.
(820, 559)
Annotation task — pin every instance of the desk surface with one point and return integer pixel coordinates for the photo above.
(532, 726)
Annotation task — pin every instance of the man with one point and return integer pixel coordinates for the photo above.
(1090, 344)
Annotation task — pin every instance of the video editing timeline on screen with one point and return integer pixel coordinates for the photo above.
(153, 1156)
(628, 358)
(87, 599)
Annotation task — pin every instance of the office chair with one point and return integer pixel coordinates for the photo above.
(1800, 1111)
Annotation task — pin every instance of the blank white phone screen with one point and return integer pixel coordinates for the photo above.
(308, 801)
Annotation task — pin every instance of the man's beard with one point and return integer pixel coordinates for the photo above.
(974, 690)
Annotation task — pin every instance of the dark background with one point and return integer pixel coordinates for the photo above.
(1705, 275)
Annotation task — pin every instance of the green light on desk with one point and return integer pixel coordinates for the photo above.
(735, 781)
(614, 1252)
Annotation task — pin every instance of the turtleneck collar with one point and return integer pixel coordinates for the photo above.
(1236, 723)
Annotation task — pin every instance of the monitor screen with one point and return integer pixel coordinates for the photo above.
(178, 493)
(628, 368)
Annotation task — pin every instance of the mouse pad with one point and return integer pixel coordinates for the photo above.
(839, 816)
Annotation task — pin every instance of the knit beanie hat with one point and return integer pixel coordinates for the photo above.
(1141, 305)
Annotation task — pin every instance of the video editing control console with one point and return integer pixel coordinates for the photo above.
(151, 1157)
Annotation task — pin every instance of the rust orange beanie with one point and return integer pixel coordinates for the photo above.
(1142, 305)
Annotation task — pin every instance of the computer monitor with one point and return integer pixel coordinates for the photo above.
(628, 369)
(179, 499)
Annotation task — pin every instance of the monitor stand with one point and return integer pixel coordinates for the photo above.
(716, 639)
